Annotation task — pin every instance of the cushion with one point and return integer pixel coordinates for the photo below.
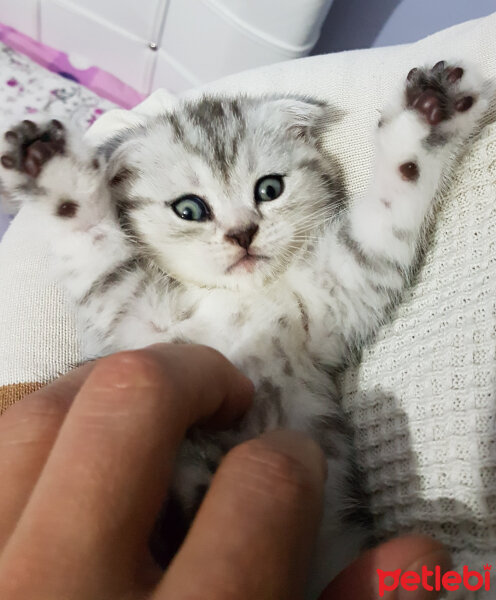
(422, 398)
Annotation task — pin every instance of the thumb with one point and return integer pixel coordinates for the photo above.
(409, 553)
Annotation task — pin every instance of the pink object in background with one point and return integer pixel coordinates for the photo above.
(102, 83)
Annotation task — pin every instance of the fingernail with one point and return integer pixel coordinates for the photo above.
(426, 589)
(299, 447)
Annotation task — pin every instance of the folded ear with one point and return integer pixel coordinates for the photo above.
(113, 122)
(299, 116)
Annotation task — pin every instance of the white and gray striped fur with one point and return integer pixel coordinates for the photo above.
(324, 270)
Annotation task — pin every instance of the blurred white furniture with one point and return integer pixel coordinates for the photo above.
(176, 44)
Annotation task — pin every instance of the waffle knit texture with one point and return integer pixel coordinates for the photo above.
(422, 400)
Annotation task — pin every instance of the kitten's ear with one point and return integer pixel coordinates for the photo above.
(112, 122)
(114, 155)
(300, 117)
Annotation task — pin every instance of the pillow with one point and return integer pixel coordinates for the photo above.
(422, 399)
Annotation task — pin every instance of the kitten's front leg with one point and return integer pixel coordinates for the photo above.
(64, 184)
(416, 143)
(376, 243)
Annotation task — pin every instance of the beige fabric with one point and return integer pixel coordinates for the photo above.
(37, 333)
(423, 399)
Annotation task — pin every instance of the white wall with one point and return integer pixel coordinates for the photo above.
(353, 24)
(171, 43)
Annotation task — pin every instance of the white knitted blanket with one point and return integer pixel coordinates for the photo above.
(422, 400)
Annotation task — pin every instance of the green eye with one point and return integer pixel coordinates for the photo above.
(191, 208)
(269, 188)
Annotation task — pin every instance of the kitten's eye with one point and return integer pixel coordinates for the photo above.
(191, 208)
(269, 188)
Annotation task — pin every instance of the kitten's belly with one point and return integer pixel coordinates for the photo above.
(268, 340)
(257, 330)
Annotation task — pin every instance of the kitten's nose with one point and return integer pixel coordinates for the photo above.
(242, 237)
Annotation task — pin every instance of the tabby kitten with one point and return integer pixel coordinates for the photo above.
(223, 223)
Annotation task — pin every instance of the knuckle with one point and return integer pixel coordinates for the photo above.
(132, 368)
(33, 415)
(262, 468)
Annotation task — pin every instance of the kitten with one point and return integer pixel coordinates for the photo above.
(223, 223)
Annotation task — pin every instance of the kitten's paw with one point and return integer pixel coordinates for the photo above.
(28, 146)
(449, 99)
(435, 108)
(436, 94)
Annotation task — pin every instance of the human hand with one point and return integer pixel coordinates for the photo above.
(84, 464)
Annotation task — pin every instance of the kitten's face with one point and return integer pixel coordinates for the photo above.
(225, 194)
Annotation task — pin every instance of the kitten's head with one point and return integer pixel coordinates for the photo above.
(225, 193)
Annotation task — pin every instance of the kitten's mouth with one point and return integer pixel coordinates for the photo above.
(247, 262)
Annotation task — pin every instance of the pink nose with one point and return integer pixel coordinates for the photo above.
(243, 237)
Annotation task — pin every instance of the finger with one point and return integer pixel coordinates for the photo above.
(87, 522)
(362, 580)
(255, 530)
(27, 434)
